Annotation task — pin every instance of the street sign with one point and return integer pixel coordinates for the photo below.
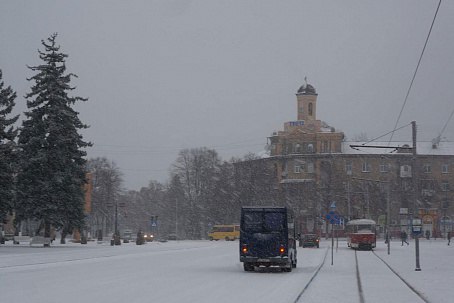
(333, 204)
(333, 217)
(416, 227)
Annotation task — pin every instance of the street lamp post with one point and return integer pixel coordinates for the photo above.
(116, 236)
(116, 218)
(388, 213)
(176, 219)
(415, 189)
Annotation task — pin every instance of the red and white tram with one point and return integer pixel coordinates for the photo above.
(361, 234)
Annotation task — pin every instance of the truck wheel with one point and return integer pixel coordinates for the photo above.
(248, 267)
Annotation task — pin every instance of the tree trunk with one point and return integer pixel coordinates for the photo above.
(46, 232)
(63, 236)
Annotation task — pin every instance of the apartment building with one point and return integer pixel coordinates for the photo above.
(312, 168)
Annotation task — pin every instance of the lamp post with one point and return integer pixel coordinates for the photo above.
(116, 218)
(176, 219)
(388, 214)
(116, 237)
(415, 189)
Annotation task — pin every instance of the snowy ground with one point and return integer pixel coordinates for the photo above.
(203, 271)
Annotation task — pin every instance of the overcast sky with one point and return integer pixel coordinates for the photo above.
(171, 74)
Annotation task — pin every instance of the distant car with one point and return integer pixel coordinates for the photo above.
(148, 237)
(310, 240)
(172, 237)
(127, 236)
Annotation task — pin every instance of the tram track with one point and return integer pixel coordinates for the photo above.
(358, 280)
(369, 269)
(312, 277)
(364, 275)
(411, 287)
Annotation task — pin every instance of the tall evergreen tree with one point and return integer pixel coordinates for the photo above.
(52, 165)
(8, 135)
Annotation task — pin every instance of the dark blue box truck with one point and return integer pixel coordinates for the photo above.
(267, 238)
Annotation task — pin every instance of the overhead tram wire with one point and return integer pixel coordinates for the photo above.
(446, 124)
(393, 131)
(416, 71)
(366, 144)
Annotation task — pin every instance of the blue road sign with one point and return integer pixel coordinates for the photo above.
(333, 217)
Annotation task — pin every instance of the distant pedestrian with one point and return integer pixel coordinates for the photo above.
(427, 234)
(403, 237)
(449, 237)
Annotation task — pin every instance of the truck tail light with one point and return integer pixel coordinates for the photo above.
(282, 249)
(244, 249)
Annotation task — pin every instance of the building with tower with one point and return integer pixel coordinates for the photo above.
(310, 167)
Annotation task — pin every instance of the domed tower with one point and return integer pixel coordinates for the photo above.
(307, 102)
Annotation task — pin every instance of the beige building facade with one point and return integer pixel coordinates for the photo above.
(314, 168)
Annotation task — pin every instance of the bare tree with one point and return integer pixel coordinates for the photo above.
(198, 170)
(107, 181)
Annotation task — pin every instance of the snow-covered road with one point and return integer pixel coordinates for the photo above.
(203, 271)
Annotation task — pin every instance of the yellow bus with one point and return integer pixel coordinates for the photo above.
(228, 232)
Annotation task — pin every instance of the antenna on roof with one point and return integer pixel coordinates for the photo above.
(437, 140)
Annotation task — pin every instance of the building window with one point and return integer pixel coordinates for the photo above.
(297, 169)
(297, 148)
(427, 188)
(310, 109)
(427, 168)
(348, 168)
(406, 185)
(310, 148)
(405, 171)
(310, 167)
(445, 186)
(366, 167)
(284, 170)
(445, 168)
(384, 167)
(445, 204)
(325, 146)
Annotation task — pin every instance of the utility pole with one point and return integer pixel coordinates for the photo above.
(415, 189)
(388, 214)
(176, 218)
(116, 218)
(348, 201)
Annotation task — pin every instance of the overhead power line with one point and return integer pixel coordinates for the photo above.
(437, 140)
(446, 124)
(416, 70)
(393, 131)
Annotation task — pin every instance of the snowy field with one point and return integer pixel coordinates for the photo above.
(203, 271)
